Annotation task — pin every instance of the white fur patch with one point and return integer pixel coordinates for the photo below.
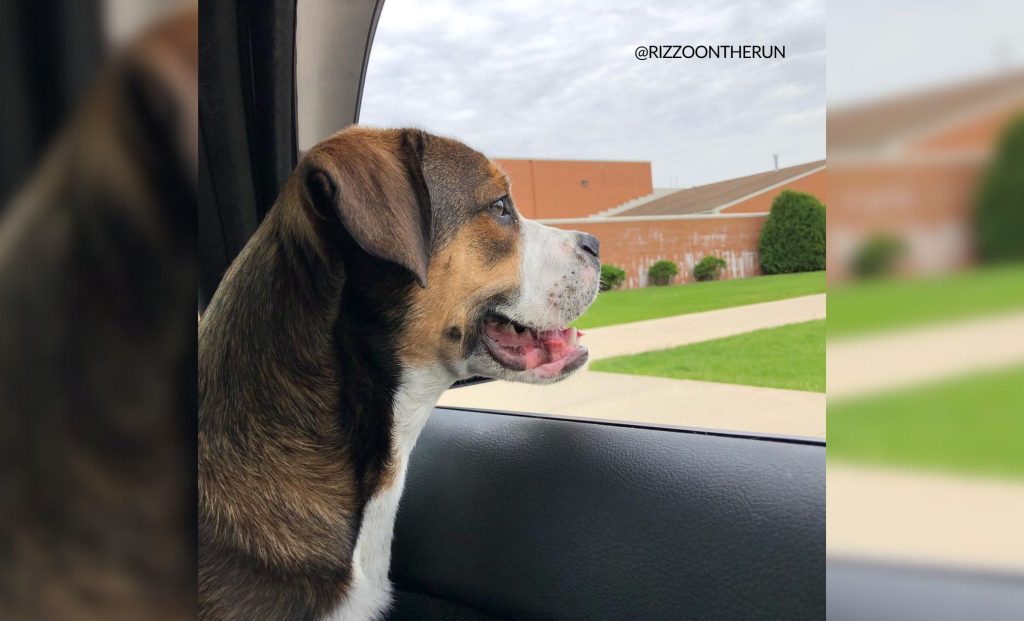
(558, 282)
(370, 592)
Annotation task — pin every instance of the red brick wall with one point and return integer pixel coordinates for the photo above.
(554, 188)
(925, 195)
(814, 184)
(635, 245)
(520, 172)
(928, 204)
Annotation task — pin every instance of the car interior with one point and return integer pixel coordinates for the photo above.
(524, 516)
(509, 515)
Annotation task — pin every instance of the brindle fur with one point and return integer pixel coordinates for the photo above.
(97, 372)
(379, 253)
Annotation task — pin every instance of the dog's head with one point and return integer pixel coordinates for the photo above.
(485, 291)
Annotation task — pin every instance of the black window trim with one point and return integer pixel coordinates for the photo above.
(247, 120)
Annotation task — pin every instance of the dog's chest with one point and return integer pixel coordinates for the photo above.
(370, 592)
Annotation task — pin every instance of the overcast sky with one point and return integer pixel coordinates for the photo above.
(881, 48)
(551, 79)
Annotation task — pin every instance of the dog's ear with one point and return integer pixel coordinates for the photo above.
(373, 181)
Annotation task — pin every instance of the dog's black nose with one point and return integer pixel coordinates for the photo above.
(590, 245)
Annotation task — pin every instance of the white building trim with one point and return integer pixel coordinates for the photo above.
(688, 216)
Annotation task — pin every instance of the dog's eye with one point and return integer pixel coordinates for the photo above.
(502, 209)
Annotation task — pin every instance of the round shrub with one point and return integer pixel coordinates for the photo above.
(709, 268)
(612, 277)
(662, 272)
(878, 256)
(1000, 217)
(793, 238)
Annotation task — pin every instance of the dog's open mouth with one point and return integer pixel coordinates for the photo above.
(547, 353)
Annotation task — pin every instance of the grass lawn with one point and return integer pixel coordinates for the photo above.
(790, 356)
(612, 307)
(878, 305)
(972, 424)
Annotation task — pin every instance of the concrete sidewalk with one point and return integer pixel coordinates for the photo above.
(918, 517)
(656, 400)
(900, 515)
(864, 365)
(654, 334)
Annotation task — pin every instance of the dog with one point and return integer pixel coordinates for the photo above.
(393, 264)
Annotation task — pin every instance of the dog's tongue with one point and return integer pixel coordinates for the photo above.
(558, 343)
(546, 347)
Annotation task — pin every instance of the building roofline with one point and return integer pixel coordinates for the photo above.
(774, 186)
(899, 136)
(891, 159)
(558, 159)
(686, 216)
(736, 201)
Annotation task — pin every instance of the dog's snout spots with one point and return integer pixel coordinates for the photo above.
(590, 245)
(453, 334)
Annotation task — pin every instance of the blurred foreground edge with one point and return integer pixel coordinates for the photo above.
(913, 533)
(97, 349)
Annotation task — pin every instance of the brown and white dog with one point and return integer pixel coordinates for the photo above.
(393, 264)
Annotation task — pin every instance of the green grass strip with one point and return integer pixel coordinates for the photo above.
(614, 307)
(790, 356)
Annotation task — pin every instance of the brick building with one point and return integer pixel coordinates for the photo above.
(634, 243)
(685, 225)
(568, 189)
(910, 167)
(638, 225)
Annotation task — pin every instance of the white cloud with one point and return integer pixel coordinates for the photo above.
(559, 80)
(880, 48)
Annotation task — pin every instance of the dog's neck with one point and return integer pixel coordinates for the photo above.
(419, 390)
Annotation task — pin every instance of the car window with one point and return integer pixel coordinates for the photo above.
(667, 131)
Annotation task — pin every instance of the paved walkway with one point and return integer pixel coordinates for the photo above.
(655, 334)
(638, 398)
(882, 513)
(635, 398)
(892, 360)
(892, 514)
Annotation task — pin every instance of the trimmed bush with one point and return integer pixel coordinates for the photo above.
(612, 277)
(709, 268)
(662, 273)
(1000, 217)
(878, 256)
(793, 238)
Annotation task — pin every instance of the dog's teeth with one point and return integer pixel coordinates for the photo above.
(508, 329)
(572, 337)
